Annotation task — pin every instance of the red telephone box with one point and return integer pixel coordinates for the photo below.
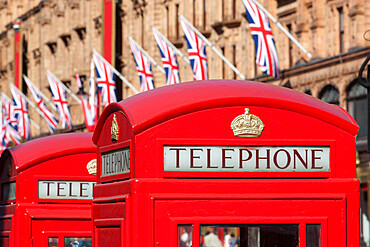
(217, 162)
(46, 192)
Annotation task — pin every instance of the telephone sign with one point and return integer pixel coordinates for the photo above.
(246, 159)
(51, 189)
(115, 163)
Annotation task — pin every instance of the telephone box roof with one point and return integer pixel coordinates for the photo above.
(36, 151)
(150, 108)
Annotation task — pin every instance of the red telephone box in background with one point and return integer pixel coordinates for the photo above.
(225, 161)
(46, 192)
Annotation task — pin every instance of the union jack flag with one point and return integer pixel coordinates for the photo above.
(48, 115)
(4, 140)
(266, 55)
(196, 52)
(60, 101)
(169, 60)
(9, 123)
(93, 99)
(143, 67)
(20, 111)
(88, 106)
(105, 80)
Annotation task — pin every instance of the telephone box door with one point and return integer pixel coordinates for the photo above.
(311, 223)
(61, 233)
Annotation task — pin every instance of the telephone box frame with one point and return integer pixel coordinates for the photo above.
(200, 113)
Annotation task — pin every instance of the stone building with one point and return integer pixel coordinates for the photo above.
(59, 35)
(55, 35)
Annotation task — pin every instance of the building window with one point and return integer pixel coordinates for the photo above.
(223, 9)
(287, 85)
(142, 28)
(223, 63)
(167, 21)
(234, 60)
(204, 14)
(233, 8)
(24, 64)
(67, 83)
(177, 21)
(341, 29)
(364, 216)
(330, 94)
(282, 3)
(290, 46)
(357, 106)
(308, 91)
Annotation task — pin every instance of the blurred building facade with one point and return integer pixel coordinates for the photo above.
(59, 35)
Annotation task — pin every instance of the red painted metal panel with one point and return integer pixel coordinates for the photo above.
(200, 114)
(212, 127)
(171, 213)
(176, 100)
(110, 210)
(125, 130)
(4, 241)
(42, 230)
(59, 212)
(109, 219)
(114, 234)
(33, 152)
(60, 160)
(125, 139)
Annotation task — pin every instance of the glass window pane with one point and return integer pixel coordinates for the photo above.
(356, 90)
(351, 108)
(249, 235)
(212, 236)
(9, 191)
(53, 242)
(77, 242)
(185, 235)
(308, 91)
(330, 94)
(361, 116)
(313, 235)
(364, 216)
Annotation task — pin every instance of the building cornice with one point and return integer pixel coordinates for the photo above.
(315, 64)
(320, 63)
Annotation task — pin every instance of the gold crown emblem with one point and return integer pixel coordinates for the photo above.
(247, 125)
(91, 167)
(114, 130)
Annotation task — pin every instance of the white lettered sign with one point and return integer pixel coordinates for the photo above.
(51, 189)
(247, 158)
(116, 162)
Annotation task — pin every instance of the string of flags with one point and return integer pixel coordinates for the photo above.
(15, 122)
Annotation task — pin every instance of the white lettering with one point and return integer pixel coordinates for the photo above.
(246, 158)
(66, 189)
(115, 163)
